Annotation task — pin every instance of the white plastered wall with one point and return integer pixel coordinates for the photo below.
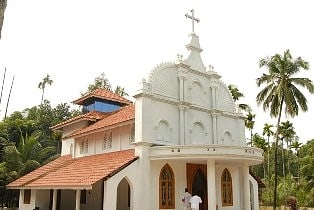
(120, 141)
(179, 170)
(236, 186)
(255, 204)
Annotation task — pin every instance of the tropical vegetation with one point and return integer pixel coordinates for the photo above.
(282, 93)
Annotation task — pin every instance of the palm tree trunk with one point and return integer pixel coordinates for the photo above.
(42, 96)
(288, 162)
(276, 156)
(268, 162)
(283, 160)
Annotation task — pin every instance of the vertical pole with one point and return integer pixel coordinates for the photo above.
(5, 70)
(6, 109)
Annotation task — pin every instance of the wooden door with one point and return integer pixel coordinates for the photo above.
(197, 182)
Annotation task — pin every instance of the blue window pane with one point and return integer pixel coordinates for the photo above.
(101, 107)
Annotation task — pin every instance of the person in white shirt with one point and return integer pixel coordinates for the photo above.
(195, 202)
(186, 199)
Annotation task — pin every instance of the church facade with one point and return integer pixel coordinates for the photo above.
(182, 131)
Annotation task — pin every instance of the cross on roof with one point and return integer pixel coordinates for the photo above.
(193, 18)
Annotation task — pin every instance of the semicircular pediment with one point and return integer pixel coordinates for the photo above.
(164, 80)
(224, 100)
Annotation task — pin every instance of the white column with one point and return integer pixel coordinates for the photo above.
(211, 185)
(246, 187)
(185, 90)
(78, 200)
(181, 80)
(215, 138)
(105, 198)
(142, 193)
(186, 127)
(181, 110)
(216, 98)
(54, 199)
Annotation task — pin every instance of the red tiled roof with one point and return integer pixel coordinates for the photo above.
(68, 173)
(122, 115)
(90, 116)
(103, 94)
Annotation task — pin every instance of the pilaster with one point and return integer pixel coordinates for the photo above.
(246, 187)
(211, 184)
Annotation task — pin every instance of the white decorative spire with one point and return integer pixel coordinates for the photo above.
(194, 59)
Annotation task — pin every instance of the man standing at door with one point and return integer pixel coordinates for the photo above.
(186, 200)
(195, 202)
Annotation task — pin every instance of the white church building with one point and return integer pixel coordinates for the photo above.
(183, 131)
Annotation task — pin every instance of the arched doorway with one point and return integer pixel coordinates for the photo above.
(197, 182)
(123, 195)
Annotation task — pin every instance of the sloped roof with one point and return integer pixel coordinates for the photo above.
(122, 115)
(103, 94)
(75, 173)
(90, 116)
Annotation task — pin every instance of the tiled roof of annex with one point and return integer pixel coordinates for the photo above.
(103, 94)
(75, 173)
(90, 116)
(122, 115)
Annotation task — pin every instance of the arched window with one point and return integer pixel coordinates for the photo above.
(166, 188)
(226, 188)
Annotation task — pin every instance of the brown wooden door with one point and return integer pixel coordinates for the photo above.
(197, 182)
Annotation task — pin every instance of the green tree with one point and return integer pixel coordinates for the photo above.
(42, 85)
(296, 145)
(29, 155)
(249, 123)
(306, 154)
(281, 92)
(287, 133)
(259, 142)
(236, 95)
(268, 132)
(99, 82)
(120, 91)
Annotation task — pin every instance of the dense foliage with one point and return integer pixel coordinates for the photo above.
(27, 142)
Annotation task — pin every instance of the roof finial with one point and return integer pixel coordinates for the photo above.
(193, 18)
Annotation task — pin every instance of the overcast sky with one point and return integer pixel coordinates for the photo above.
(74, 41)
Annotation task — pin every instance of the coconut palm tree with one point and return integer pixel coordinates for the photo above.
(287, 133)
(249, 123)
(236, 95)
(42, 85)
(268, 132)
(281, 92)
(296, 146)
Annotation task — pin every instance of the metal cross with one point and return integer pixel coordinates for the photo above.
(193, 18)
